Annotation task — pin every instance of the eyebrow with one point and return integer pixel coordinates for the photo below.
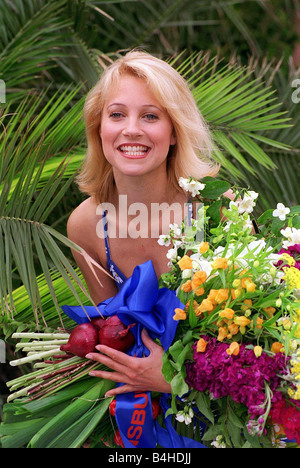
(124, 105)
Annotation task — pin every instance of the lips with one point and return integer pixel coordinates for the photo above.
(134, 150)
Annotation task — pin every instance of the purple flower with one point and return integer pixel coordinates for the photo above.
(242, 377)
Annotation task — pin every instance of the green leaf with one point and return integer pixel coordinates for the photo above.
(214, 187)
(203, 404)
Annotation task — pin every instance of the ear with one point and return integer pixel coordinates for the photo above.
(173, 140)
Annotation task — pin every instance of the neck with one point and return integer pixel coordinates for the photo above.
(143, 189)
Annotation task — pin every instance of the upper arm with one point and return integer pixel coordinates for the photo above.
(81, 230)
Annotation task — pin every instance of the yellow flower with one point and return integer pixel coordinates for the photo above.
(221, 295)
(292, 277)
(201, 345)
(220, 263)
(249, 285)
(288, 259)
(206, 306)
(242, 321)
(236, 283)
(179, 314)
(185, 263)
(227, 313)
(233, 349)
(257, 351)
(203, 247)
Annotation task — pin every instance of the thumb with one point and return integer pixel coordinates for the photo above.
(148, 342)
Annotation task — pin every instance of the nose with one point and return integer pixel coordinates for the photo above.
(132, 127)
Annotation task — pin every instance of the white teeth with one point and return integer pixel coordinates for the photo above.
(134, 150)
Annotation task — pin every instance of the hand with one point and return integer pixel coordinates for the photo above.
(137, 374)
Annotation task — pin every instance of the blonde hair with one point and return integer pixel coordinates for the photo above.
(191, 156)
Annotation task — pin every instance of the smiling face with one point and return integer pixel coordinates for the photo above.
(136, 131)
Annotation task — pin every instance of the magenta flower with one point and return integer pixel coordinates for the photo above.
(242, 377)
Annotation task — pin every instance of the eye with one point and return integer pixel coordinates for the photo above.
(115, 115)
(151, 116)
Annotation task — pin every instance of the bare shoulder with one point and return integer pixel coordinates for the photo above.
(82, 221)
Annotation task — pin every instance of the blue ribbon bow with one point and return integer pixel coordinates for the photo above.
(140, 301)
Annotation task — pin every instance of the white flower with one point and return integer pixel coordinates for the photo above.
(292, 235)
(218, 442)
(172, 254)
(281, 211)
(185, 416)
(175, 229)
(252, 194)
(187, 273)
(246, 205)
(192, 186)
(164, 239)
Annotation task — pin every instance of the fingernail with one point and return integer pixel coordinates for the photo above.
(92, 374)
(89, 356)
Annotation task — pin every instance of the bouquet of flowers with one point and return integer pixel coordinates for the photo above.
(235, 361)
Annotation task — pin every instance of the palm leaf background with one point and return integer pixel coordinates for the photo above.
(51, 54)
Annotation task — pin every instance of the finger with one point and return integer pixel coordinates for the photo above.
(117, 356)
(107, 361)
(114, 376)
(122, 389)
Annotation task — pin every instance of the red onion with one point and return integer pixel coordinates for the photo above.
(116, 335)
(98, 322)
(82, 340)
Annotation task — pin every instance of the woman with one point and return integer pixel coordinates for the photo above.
(144, 131)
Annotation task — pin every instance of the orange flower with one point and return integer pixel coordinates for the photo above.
(201, 345)
(259, 323)
(203, 247)
(206, 306)
(227, 313)
(242, 321)
(220, 263)
(187, 286)
(212, 296)
(234, 349)
(270, 311)
(199, 291)
(277, 347)
(179, 314)
(221, 295)
(223, 332)
(233, 329)
(198, 279)
(185, 263)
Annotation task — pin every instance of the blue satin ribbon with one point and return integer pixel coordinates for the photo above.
(140, 301)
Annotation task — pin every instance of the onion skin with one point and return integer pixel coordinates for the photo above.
(98, 322)
(83, 340)
(116, 335)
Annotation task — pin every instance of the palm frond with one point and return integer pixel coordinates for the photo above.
(27, 243)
